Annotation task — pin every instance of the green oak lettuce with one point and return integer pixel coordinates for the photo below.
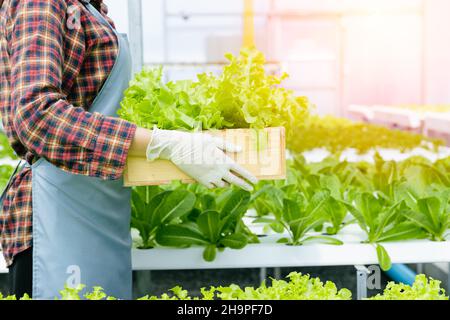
(422, 289)
(296, 287)
(242, 96)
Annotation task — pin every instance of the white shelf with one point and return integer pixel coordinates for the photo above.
(277, 255)
(270, 254)
(413, 119)
(439, 122)
(389, 115)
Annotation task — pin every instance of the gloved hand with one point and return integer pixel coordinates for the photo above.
(200, 156)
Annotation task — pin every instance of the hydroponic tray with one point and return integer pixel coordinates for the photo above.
(437, 122)
(278, 255)
(395, 116)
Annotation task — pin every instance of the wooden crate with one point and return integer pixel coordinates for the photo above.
(263, 155)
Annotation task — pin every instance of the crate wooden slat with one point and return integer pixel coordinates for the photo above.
(266, 162)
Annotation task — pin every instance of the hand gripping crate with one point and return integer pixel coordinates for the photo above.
(264, 155)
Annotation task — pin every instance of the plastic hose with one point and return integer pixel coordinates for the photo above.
(402, 274)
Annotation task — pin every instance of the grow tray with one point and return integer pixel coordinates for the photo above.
(271, 254)
(263, 155)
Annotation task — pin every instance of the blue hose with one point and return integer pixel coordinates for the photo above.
(402, 274)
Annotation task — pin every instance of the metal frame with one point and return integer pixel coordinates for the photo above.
(361, 281)
(136, 33)
(448, 278)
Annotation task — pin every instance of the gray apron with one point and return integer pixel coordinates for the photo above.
(81, 225)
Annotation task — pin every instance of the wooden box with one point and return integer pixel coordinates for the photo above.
(263, 155)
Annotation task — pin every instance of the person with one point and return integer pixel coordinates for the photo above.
(65, 214)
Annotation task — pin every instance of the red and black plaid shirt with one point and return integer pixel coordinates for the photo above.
(50, 73)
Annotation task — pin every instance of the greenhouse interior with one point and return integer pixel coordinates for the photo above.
(234, 150)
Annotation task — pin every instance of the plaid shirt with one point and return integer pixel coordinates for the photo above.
(50, 74)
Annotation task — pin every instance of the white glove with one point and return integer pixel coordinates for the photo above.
(200, 156)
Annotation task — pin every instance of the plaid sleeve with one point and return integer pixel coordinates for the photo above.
(49, 126)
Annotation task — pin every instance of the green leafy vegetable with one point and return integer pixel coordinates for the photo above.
(431, 214)
(296, 287)
(294, 210)
(243, 96)
(301, 217)
(153, 209)
(422, 289)
(339, 134)
(218, 226)
(5, 173)
(382, 222)
(383, 258)
(5, 149)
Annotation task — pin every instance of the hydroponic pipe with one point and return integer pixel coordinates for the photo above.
(401, 273)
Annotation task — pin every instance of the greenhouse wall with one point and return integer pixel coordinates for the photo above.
(337, 43)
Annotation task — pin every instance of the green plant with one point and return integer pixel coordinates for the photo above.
(295, 287)
(431, 213)
(303, 215)
(382, 222)
(13, 297)
(304, 181)
(336, 177)
(381, 178)
(422, 289)
(217, 225)
(5, 173)
(288, 209)
(154, 209)
(334, 209)
(6, 152)
(389, 201)
(69, 293)
(298, 287)
(339, 134)
(336, 213)
(5, 149)
(268, 203)
(242, 96)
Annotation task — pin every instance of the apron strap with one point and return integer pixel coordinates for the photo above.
(91, 3)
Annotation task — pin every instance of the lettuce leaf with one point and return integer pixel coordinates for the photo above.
(422, 289)
(243, 96)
